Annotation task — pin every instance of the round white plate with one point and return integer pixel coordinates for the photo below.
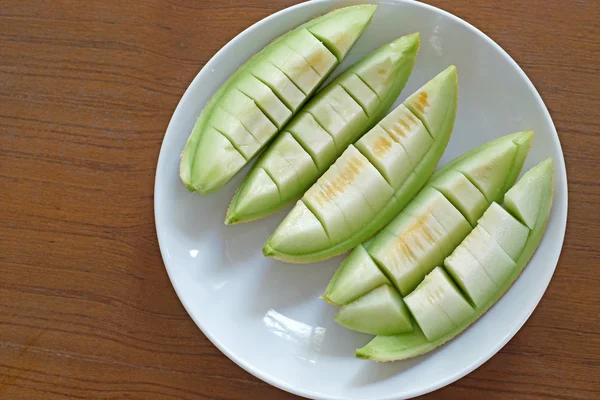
(266, 315)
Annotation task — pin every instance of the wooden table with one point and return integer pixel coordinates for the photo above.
(87, 89)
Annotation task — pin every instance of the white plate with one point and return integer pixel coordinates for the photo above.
(265, 315)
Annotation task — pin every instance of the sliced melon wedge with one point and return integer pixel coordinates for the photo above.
(432, 225)
(337, 116)
(532, 195)
(381, 312)
(373, 167)
(265, 92)
(438, 305)
(357, 276)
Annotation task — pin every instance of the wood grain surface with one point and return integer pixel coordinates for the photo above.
(87, 89)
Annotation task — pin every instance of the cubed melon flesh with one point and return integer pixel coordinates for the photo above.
(357, 276)
(314, 139)
(265, 99)
(437, 305)
(408, 256)
(280, 84)
(488, 170)
(312, 50)
(319, 200)
(261, 188)
(522, 199)
(220, 157)
(407, 130)
(380, 312)
(308, 235)
(387, 155)
(362, 93)
(246, 111)
(435, 203)
(426, 231)
(431, 102)
(295, 67)
(337, 181)
(470, 275)
(230, 127)
(339, 115)
(281, 171)
(366, 178)
(490, 255)
(463, 195)
(340, 34)
(508, 232)
(389, 66)
(298, 158)
(346, 106)
(288, 167)
(355, 186)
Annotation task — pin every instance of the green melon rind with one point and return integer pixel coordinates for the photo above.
(403, 69)
(401, 347)
(401, 198)
(191, 145)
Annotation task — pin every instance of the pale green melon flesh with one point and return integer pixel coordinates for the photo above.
(434, 96)
(308, 230)
(295, 67)
(387, 155)
(520, 200)
(399, 347)
(247, 112)
(507, 231)
(288, 167)
(489, 177)
(273, 66)
(348, 198)
(318, 200)
(331, 121)
(361, 93)
(347, 108)
(381, 312)
(437, 305)
(265, 189)
(355, 187)
(406, 258)
(231, 127)
(220, 155)
(388, 67)
(357, 276)
(490, 255)
(386, 211)
(312, 50)
(265, 99)
(362, 175)
(463, 195)
(340, 113)
(281, 171)
(313, 139)
(425, 233)
(339, 35)
(470, 275)
(280, 84)
(432, 207)
(409, 132)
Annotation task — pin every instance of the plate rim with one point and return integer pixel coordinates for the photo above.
(312, 394)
